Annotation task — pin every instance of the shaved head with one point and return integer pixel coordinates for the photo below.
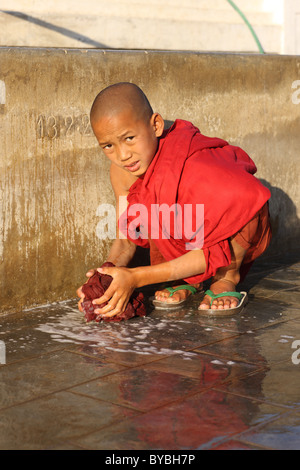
(126, 128)
(118, 98)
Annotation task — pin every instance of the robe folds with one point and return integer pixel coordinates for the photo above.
(211, 186)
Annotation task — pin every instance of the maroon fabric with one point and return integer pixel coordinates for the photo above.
(95, 288)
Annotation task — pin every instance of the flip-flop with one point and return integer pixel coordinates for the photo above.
(241, 296)
(160, 305)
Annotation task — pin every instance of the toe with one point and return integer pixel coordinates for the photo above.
(164, 296)
(234, 302)
(174, 298)
(160, 295)
(205, 303)
(226, 303)
(220, 304)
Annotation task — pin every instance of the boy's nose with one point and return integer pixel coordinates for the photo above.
(124, 154)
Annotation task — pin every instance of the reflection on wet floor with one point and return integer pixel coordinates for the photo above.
(170, 381)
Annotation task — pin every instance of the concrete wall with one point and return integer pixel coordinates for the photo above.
(201, 25)
(53, 176)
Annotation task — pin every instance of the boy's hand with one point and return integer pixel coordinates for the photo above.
(79, 291)
(118, 293)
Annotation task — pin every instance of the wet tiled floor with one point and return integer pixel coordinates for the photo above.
(169, 381)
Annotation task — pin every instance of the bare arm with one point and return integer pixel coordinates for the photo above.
(122, 250)
(125, 280)
(190, 264)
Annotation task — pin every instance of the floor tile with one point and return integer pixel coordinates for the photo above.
(238, 445)
(172, 380)
(279, 385)
(280, 434)
(263, 346)
(34, 316)
(288, 275)
(47, 422)
(25, 380)
(258, 313)
(164, 381)
(198, 422)
(286, 292)
(134, 342)
(290, 296)
(141, 389)
(26, 343)
(208, 368)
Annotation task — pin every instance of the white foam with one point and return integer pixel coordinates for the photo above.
(216, 361)
(118, 337)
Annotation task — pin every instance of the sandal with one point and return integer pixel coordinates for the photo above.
(160, 305)
(241, 296)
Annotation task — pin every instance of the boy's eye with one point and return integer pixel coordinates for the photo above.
(130, 138)
(107, 147)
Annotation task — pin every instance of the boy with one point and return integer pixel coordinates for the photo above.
(152, 167)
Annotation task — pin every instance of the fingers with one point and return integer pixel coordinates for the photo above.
(117, 295)
(90, 273)
(116, 305)
(111, 309)
(79, 292)
(110, 271)
(79, 305)
(106, 297)
(112, 313)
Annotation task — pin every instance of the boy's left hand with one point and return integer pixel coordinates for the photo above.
(118, 293)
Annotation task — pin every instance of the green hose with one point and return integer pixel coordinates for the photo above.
(248, 24)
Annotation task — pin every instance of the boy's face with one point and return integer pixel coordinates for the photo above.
(127, 141)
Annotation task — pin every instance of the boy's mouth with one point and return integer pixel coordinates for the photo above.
(134, 166)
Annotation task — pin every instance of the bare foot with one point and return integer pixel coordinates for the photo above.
(219, 287)
(182, 294)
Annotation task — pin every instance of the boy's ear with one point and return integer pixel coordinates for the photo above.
(158, 124)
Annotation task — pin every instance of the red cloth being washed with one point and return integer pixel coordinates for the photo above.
(95, 287)
(190, 168)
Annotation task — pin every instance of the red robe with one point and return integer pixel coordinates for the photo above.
(190, 168)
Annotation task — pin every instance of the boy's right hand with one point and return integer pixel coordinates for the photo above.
(79, 292)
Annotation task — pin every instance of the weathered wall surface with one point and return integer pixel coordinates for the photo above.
(53, 176)
(200, 25)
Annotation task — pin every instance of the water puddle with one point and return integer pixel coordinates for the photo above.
(135, 336)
